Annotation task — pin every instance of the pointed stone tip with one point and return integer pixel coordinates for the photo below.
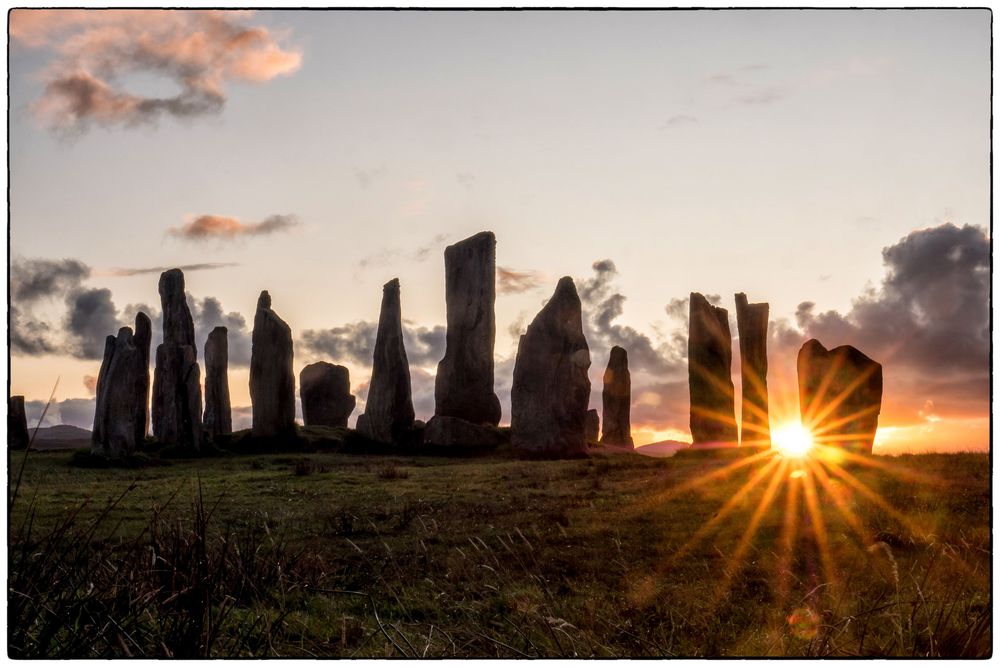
(264, 300)
(392, 285)
(618, 352)
(220, 330)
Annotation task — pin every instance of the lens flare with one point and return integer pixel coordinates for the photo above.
(792, 440)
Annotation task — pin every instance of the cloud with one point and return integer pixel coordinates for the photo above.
(510, 281)
(90, 383)
(602, 305)
(389, 256)
(200, 52)
(207, 314)
(186, 268)
(91, 317)
(761, 96)
(680, 119)
(217, 227)
(368, 176)
(355, 343)
(74, 411)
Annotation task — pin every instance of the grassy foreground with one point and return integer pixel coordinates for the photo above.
(337, 554)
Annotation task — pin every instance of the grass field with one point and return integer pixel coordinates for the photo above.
(338, 554)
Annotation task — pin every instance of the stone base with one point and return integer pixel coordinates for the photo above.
(453, 432)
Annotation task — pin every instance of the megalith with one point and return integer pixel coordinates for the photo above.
(218, 418)
(177, 377)
(551, 389)
(272, 381)
(122, 393)
(751, 322)
(463, 387)
(840, 395)
(388, 415)
(325, 390)
(710, 358)
(17, 423)
(617, 400)
(593, 427)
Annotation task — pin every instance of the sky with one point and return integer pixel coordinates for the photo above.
(834, 164)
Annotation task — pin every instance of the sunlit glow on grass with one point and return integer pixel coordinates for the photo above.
(792, 440)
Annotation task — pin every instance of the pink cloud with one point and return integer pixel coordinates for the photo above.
(201, 51)
(206, 227)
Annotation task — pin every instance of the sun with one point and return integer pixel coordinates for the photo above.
(792, 440)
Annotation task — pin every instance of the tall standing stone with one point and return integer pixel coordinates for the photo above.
(617, 400)
(325, 390)
(388, 415)
(840, 395)
(463, 387)
(17, 423)
(710, 358)
(751, 322)
(551, 390)
(123, 391)
(177, 377)
(218, 411)
(272, 382)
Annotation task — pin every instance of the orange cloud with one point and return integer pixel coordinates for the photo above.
(510, 281)
(206, 227)
(199, 50)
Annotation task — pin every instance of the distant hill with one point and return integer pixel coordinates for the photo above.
(662, 449)
(62, 436)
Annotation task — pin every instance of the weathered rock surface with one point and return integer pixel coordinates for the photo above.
(272, 381)
(120, 414)
(17, 423)
(710, 358)
(218, 418)
(325, 390)
(617, 400)
(551, 389)
(593, 426)
(463, 386)
(452, 432)
(840, 395)
(389, 413)
(751, 322)
(177, 377)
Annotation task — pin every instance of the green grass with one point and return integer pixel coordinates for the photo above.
(492, 557)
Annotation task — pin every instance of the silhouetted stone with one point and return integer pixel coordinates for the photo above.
(840, 395)
(218, 418)
(617, 400)
(177, 377)
(751, 320)
(178, 326)
(593, 426)
(123, 391)
(325, 390)
(463, 386)
(17, 423)
(452, 431)
(389, 409)
(272, 381)
(551, 389)
(710, 358)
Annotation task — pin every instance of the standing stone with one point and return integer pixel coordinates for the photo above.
(272, 382)
(325, 390)
(389, 413)
(551, 389)
(120, 413)
(463, 387)
(17, 423)
(840, 395)
(617, 399)
(710, 358)
(593, 426)
(177, 377)
(751, 322)
(218, 411)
